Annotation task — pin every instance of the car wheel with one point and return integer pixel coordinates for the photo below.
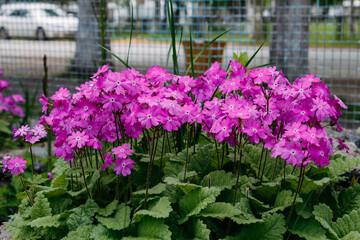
(40, 34)
(3, 34)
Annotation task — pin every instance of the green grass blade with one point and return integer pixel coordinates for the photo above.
(191, 57)
(252, 57)
(118, 58)
(181, 35)
(204, 48)
(173, 36)
(131, 31)
(262, 65)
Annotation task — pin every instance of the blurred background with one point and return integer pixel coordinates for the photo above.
(320, 37)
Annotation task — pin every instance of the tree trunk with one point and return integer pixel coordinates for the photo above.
(89, 56)
(290, 37)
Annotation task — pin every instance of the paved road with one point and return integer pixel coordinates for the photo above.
(24, 57)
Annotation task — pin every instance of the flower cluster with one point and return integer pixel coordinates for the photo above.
(30, 135)
(14, 165)
(10, 103)
(259, 105)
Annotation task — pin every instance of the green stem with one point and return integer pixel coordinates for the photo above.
(83, 173)
(149, 169)
(187, 150)
(32, 160)
(261, 156)
(27, 193)
(217, 154)
(238, 173)
(263, 170)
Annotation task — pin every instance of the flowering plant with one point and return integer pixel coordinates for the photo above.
(177, 151)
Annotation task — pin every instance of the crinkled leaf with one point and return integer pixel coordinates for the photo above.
(158, 208)
(308, 184)
(41, 207)
(349, 199)
(48, 221)
(284, 200)
(157, 189)
(201, 161)
(348, 223)
(82, 215)
(200, 230)
(192, 203)
(59, 167)
(91, 180)
(100, 232)
(219, 179)
(340, 164)
(308, 229)
(109, 209)
(186, 187)
(246, 216)
(153, 228)
(272, 228)
(174, 167)
(36, 180)
(324, 215)
(351, 236)
(59, 181)
(120, 221)
(4, 127)
(81, 233)
(220, 210)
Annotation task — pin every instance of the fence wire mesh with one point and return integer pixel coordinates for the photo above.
(321, 37)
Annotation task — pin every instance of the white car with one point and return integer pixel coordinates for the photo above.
(39, 20)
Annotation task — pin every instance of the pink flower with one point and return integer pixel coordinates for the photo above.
(78, 139)
(101, 70)
(108, 160)
(123, 166)
(22, 131)
(148, 118)
(292, 153)
(122, 151)
(45, 102)
(16, 165)
(342, 146)
(254, 130)
(4, 162)
(95, 143)
(50, 176)
(62, 94)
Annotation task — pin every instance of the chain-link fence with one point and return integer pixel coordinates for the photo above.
(301, 36)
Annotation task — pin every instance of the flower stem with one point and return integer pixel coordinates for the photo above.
(83, 173)
(263, 170)
(32, 160)
(187, 151)
(27, 193)
(298, 189)
(261, 156)
(149, 167)
(238, 173)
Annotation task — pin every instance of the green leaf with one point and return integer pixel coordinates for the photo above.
(153, 228)
(272, 228)
(201, 161)
(4, 127)
(198, 199)
(308, 229)
(220, 210)
(324, 215)
(48, 221)
(59, 181)
(200, 230)
(284, 200)
(348, 223)
(351, 236)
(246, 216)
(81, 216)
(173, 167)
(36, 180)
(81, 233)
(252, 57)
(100, 232)
(41, 207)
(91, 180)
(158, 208)
(349, 199)
(219, 179)
(117, 57)
(158, 189)
(243, 58)
(186, 187)
(340, 164)
(109, 209)
(120, 221)
(59, 167)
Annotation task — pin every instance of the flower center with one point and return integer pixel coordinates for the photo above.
(16, 165)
